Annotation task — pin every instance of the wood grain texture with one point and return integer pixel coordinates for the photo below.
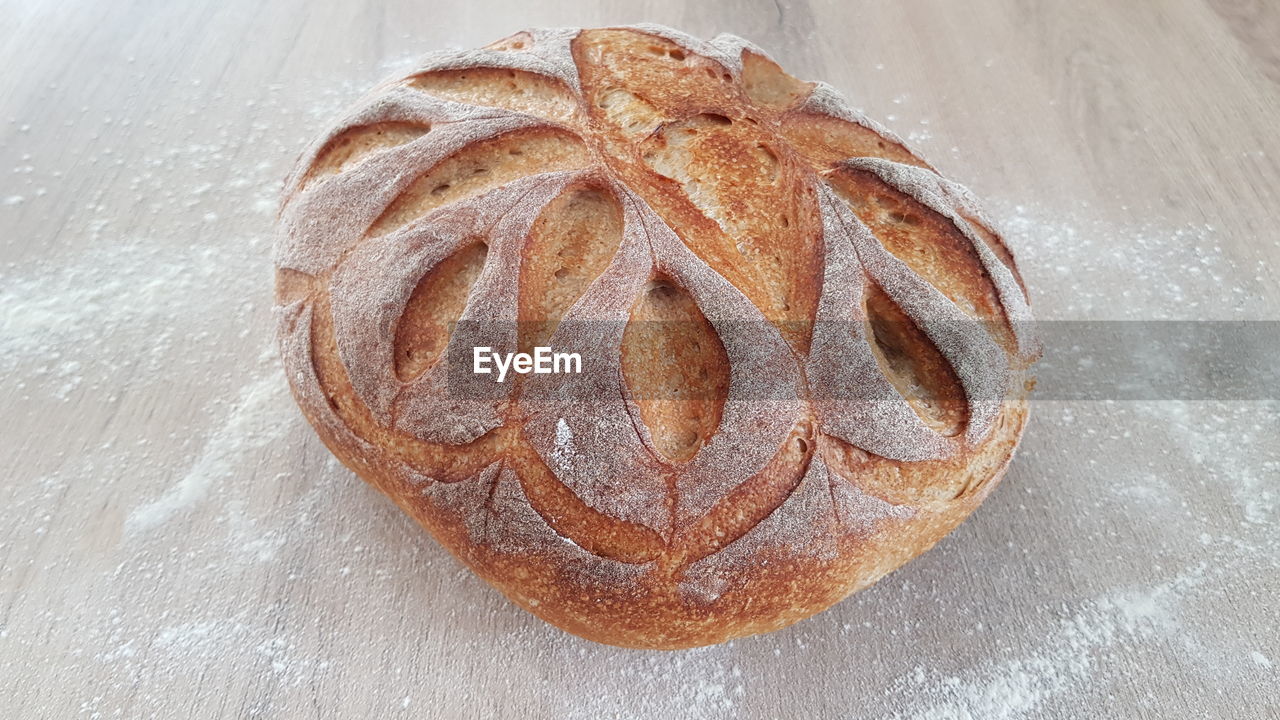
(175, 541)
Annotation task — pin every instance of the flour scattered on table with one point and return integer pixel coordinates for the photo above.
(1079, 268)
(224, 537)
(1063, 659)
(259, 417)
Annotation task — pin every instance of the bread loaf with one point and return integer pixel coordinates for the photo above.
(804, 354)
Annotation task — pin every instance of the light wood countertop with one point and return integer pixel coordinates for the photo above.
(176, 542)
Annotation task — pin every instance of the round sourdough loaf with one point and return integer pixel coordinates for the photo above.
(804, 353)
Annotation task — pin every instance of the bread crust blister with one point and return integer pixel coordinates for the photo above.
(806, 354)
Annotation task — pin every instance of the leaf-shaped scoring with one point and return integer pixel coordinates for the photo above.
(332, 214)
(950, 199)
(857, 403)
(813, 521)
(587, 427)
(373, 284)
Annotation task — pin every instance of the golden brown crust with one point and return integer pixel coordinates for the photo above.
(805, 354)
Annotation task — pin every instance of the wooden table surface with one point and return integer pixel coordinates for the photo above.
(176, 543)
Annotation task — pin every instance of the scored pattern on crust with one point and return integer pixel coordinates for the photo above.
(886, 318)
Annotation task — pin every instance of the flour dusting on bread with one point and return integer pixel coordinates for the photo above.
(792, 380)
